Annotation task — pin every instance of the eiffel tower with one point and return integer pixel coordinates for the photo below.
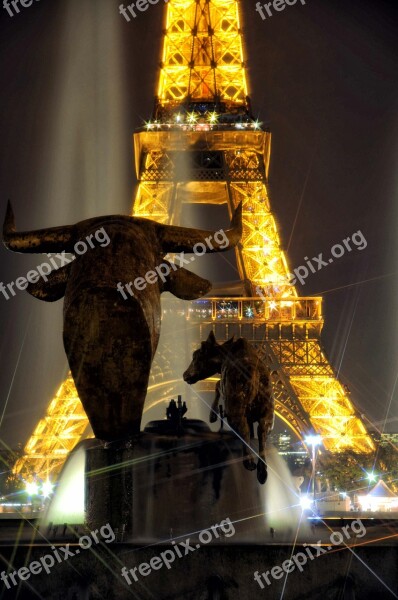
(203, 146)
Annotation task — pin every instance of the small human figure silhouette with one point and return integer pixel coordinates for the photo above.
(172, 411)
(182, 408)
(176, 411)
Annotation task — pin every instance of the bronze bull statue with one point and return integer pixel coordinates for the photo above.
(110, 342)
(245, 389)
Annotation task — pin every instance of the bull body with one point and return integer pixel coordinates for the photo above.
(245, 389)
(110, 342)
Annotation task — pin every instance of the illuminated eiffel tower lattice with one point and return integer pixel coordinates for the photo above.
(202, 145)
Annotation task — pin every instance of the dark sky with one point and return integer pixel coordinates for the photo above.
(323, 76)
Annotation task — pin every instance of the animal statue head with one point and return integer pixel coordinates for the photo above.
(110, 339)
(206, 361)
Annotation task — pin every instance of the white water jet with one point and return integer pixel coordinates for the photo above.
(68, 502)
(282, 506)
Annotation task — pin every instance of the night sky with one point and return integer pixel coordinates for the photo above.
(323, 76)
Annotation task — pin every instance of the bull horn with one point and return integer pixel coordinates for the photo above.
(54, 239)
(183, 239)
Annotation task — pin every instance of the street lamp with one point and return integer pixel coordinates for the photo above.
(313, 441)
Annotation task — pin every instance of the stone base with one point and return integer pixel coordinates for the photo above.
(163, 486)
(223, 573)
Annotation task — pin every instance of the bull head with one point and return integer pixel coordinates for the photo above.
(110, 342)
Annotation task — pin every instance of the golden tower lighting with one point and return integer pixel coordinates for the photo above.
(202, 145)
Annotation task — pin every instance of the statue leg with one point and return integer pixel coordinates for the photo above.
(214, 408)
(262, 463)
(238, 422)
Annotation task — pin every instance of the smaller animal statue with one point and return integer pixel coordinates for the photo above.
(245, 389)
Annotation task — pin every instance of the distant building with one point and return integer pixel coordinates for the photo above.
(379, 499)
(284, 442)
(293, 452)
(332, 503)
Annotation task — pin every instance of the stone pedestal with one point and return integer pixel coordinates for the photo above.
(163, 485)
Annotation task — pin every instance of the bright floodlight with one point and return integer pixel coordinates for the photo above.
(305, 502)
(371, 476)
(313, 440)
(32, 488)
(47, 488)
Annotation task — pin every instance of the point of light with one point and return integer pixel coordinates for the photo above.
(192, 117)
(305, 502)
(213, 118)
(371, 476)
(32, 488)
(47, 488)
(313, 440)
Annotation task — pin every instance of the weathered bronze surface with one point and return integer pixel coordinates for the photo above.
(244, 388)
(110, 342)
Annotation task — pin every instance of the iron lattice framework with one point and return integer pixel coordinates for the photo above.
(202, 145)
(63, 426)
(202, 53)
